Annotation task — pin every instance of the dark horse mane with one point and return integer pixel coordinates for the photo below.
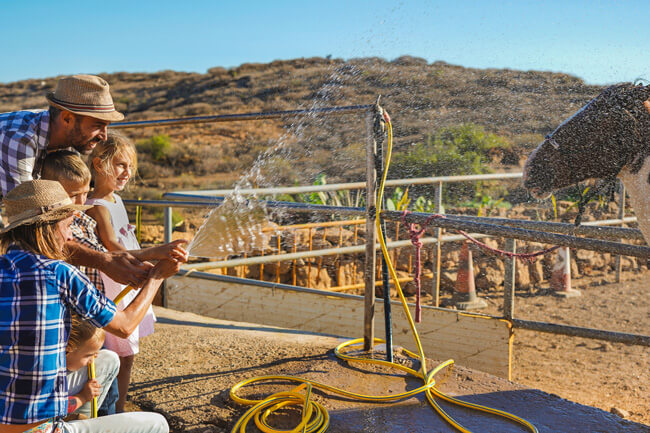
(624, 103)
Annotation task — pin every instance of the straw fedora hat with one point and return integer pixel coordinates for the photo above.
(38, 201)
(87, 95)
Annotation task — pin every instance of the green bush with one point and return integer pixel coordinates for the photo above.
(158, 146)
(453, 151)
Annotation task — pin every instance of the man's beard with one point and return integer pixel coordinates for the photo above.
(78, 142)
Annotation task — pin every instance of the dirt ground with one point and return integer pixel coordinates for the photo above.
(202, 359)
(591, 372)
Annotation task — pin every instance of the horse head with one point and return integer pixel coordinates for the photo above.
(609, 133)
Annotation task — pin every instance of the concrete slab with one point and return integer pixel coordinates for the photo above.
(186, 368)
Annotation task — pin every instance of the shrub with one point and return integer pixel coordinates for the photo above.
(457, 150)
(158, 146)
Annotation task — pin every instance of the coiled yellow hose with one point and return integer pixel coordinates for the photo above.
(314, 416)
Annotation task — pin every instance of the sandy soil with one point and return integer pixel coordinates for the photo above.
(202, 358)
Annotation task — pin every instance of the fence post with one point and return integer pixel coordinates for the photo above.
(167, 217)
(621, 215)
(371, 236)
(509, 281)
(437, 251)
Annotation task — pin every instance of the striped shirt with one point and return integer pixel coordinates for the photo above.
(37, 295)
(23, 146)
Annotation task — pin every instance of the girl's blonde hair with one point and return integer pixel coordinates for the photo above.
(82, 331)
(115, 144)
(39, 238)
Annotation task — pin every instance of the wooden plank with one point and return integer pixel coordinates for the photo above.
(475, 342)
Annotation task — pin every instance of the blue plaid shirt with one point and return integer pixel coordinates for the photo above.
(37, 295)
(23, 146)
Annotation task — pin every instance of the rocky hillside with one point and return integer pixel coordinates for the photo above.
(421, 97)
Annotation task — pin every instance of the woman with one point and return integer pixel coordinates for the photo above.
(38, 292)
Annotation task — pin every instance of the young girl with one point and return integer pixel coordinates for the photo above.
(85, 345)
(112, 164)
(38, 292)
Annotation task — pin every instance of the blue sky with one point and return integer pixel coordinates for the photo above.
(599, 41)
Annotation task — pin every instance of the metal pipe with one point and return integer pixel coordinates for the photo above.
(621, 215)
(576, 331)
(379, 170)
(355, 249)
(377, 283)
(528, 235)
(371, 237)
(438, 250)
(458, 223)
(193, 195)
(509, 281)
(591, 229)
(167, 217)
(242, 116)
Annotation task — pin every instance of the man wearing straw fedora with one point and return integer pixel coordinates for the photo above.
(81, 108)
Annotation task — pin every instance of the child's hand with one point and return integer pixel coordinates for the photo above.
(165, 269)
(176, 250)
(90, 390)
(171, 251)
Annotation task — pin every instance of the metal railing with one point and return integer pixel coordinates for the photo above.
(511, 229)
(373, 164)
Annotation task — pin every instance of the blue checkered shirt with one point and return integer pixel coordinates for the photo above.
(23, 146)
(37, 295)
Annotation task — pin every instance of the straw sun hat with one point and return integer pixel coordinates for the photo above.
(38, 201)
(86, 95)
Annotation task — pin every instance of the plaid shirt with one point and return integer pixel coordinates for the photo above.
(37, 295)
(83, 231)
(23, 145)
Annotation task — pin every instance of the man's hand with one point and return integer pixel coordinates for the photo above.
(122, 267)
(91, 389)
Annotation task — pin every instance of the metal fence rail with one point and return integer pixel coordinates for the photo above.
(193, 195)
(220, 118)
(482, 225)
(508, 229)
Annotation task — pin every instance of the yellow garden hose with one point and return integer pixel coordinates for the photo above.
(314, 416)
(93, 402)
(122, 294)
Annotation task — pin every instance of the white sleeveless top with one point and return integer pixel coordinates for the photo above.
(125, 234)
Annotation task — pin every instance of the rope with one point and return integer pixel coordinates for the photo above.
(415, 236)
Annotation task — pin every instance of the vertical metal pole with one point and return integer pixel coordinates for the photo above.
(379, 170)
(167, 217)
(438, 252)
(509, 281)
(621, 215)
(371, 236)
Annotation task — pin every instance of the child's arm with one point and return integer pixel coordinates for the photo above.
(105, 229)
(91, 389)
(173, 251)
(125, 321)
